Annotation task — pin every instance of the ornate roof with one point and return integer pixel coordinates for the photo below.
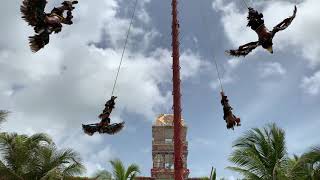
(166, 120)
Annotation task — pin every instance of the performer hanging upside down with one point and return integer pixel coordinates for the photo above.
(44, 24)
(228, 116)
(104, 125)
(256, 22)
(104, 116)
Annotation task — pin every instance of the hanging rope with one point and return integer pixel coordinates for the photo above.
(215, 62)
(124, 48)
(220, 82)
(245, 3)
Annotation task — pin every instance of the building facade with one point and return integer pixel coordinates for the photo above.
(163, 149)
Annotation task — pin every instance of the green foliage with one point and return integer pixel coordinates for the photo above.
(260, 154)
(121, 173)
(3, 115)
(36, 157)
(307, 167)
(213, 174)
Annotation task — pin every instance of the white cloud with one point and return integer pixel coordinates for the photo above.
(233, 63)
(191, 64)
(271, 69)
(234, 23)
(67, 83)
(302, 33)
(311, 85)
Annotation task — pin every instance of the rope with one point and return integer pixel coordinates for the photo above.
(124, 48)
(215, 62)
(245, 3)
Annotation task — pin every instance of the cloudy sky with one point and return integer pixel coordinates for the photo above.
(66, 84)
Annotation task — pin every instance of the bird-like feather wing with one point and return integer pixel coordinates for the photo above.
(244, 49)
(111, 129)
(38, 41)
(285, 23)
(33, 11)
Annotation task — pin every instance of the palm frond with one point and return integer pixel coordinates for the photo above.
(132, 170)
(66, 162)
(3, 115)
(74, 168)
(52, 174)
(213, 174)
(102, 175)
(308, 165)
(260, 152)
(118, 169)
(246, 173)
(37, 157)
(8, 173)
(39, 139)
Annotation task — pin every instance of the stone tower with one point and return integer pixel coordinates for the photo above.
(162, 148)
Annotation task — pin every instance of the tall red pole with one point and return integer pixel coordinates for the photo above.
(178, 162)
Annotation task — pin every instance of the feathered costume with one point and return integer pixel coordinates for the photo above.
(228, 116)
(114, 128)
(256, 23)
(104, 126)
(44, 24)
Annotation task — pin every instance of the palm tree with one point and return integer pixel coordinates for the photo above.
(121, 173)
(17, 153)
(35, 157)
(307, 167)
(261, 154)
